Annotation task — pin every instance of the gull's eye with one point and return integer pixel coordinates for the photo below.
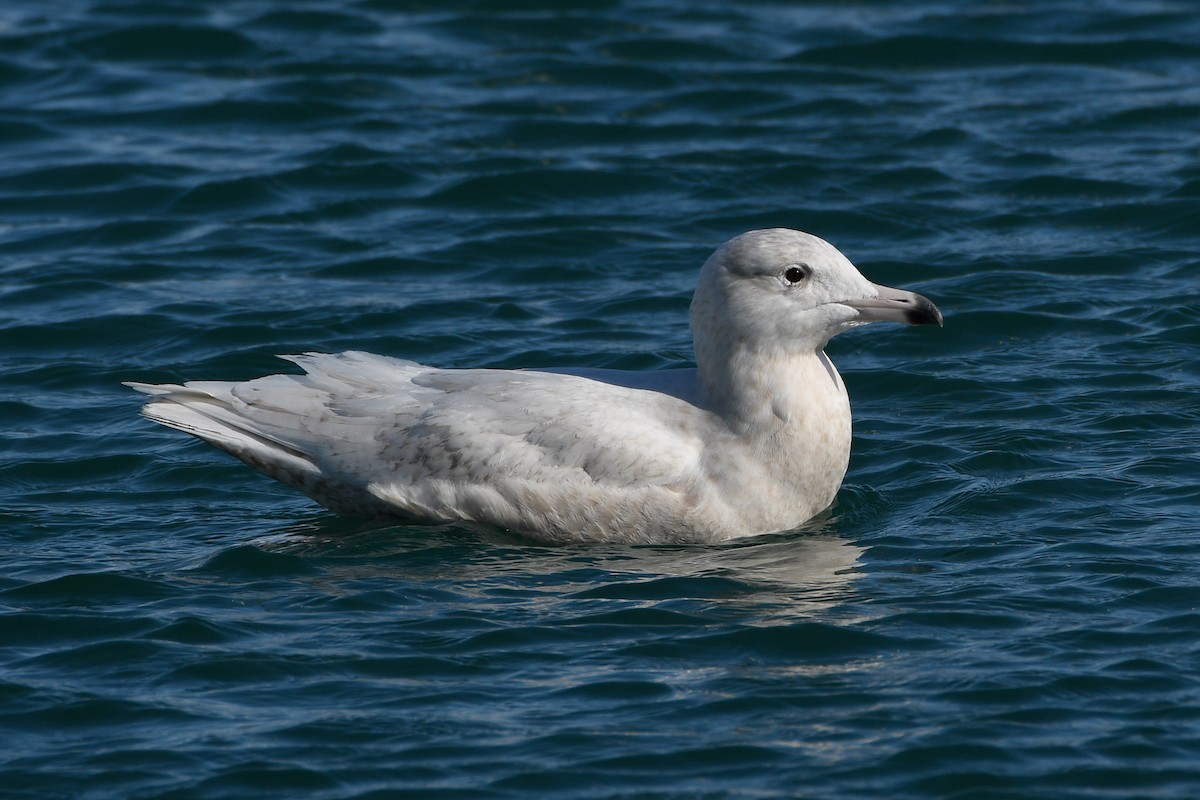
(795, 274)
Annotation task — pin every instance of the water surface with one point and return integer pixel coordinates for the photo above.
(1001, 603)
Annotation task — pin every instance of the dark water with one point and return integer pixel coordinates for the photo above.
(1004, 601)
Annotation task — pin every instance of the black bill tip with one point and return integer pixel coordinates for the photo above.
(923, 312)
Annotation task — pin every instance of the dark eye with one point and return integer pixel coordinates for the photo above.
(795, 274)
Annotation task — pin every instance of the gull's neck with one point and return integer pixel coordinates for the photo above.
(756, 391)
(790, 419)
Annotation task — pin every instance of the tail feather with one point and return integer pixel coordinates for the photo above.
(290, 427)
(200, 413)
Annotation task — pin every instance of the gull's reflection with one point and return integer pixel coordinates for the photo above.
(777, 576)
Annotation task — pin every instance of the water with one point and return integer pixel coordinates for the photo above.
(1001, 604)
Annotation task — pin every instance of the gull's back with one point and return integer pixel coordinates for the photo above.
(557, 455)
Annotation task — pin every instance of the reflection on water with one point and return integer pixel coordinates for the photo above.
(778, 576)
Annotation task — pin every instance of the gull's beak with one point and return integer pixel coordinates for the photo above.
(896, 305)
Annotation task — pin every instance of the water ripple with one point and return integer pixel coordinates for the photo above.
(1002, 600)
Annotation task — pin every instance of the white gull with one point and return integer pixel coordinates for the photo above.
(755, 439)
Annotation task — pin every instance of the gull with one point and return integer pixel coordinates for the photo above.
(754, 439)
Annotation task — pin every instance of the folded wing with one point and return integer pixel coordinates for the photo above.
(368, 435)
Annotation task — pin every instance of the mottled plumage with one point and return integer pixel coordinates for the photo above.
(755, 439)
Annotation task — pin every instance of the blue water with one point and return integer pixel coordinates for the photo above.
(1004, 602)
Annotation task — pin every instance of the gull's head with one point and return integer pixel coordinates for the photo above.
(784, 290)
